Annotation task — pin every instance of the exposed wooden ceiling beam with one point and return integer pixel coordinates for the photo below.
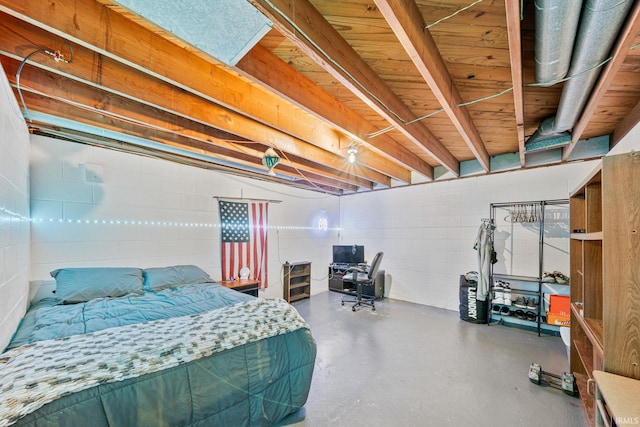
(103, 72)
(625, 126)
(515, 53)
(311, 32)
(52, 131)
(321, 132)
(279, 76)
(619, 53)
(405, 19)
(133, 73)
(103, 119)
(100, 28)
(113, 106)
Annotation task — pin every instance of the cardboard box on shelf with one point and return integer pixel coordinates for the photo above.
(559, 310)
(557, 319)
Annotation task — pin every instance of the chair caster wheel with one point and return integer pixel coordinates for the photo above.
(373, 309)
(342, 302)
(353, 309)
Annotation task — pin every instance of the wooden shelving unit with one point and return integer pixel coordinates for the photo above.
(604, 263)
(588, 405)
(296, 279)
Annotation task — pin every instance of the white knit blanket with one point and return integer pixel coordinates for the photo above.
(36, 374)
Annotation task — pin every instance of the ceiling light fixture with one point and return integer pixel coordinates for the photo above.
(352, 155)
(270, 159)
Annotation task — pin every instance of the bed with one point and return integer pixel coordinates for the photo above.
(162, 346)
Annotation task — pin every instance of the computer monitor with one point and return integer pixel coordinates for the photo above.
(348, 254)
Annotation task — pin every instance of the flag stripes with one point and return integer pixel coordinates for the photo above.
(244, 239)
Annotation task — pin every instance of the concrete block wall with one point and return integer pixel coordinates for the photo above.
(97, 207)
(428, 231)
(14, 213)
(630, 141)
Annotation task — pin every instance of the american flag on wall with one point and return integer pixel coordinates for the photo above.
(243, 239)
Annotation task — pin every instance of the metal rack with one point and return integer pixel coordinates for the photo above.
(537, 217)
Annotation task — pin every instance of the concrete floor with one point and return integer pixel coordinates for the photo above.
(413, 365)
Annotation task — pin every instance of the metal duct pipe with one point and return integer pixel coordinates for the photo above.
(599, 27)
(546, 138)
(556, 26)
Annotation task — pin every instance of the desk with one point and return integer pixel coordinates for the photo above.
(336, 273)
(337, 284)
(245, 286)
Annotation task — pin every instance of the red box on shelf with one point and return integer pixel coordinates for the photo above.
(560, 305)
(559, 310)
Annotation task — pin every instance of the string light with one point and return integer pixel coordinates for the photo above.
(120, 222)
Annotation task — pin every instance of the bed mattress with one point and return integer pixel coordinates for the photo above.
(199, 354)
(47, 319)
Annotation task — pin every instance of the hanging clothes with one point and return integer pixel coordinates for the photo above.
(486, 256)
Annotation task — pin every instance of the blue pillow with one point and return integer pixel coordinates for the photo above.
(159, 278)
(84, 284)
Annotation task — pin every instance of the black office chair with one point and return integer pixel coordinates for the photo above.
(363, 276)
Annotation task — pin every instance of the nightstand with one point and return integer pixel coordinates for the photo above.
(245, 286)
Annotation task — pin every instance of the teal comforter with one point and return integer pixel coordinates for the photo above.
(47, 320)
(253, 384)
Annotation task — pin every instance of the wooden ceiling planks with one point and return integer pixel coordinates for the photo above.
(224, 88)
(318, 39)
(96, 107)
(286, 93)
(420, 45)
(279, 77)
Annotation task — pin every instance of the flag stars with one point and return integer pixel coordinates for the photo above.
(234, 218)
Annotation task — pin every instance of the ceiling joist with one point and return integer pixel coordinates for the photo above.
(149, 116)
(263, 65)
(185, 70)
(115, 75)
(105, 120)
(412, 85)
(515, 53)
(405, 20)
(304, 25)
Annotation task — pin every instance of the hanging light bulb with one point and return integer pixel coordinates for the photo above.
(352, 155)
(270, 159)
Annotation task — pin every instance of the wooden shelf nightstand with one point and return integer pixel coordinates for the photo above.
(245, 286)
(296, 279)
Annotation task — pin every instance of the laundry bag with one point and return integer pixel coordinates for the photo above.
(471, 309)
